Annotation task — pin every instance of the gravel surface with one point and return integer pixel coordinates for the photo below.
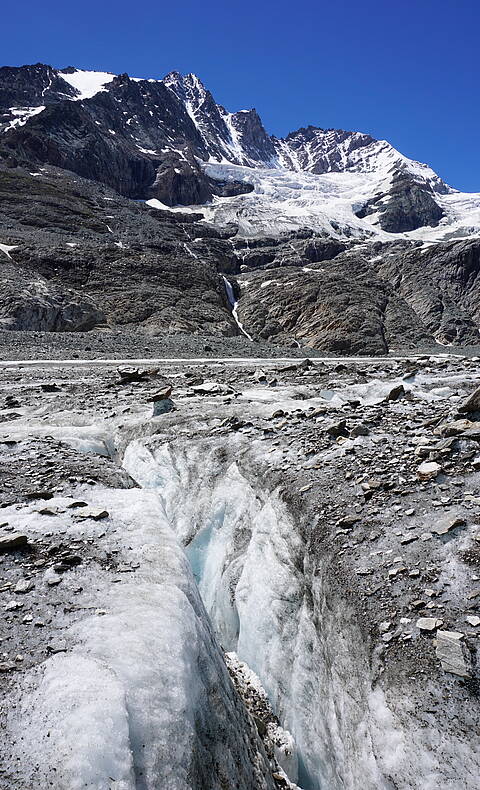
(135, 344)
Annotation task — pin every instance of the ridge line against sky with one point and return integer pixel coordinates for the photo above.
(405, 72)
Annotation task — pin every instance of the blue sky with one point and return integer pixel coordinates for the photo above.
(405, 71)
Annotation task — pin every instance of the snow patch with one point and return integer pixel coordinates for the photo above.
(88, 83)
(6, 248)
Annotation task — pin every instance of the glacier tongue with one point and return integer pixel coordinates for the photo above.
(216, 549)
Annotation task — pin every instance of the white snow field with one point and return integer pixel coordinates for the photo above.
(284, 200)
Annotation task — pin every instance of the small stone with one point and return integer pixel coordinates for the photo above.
(212, 388)
(347, 522)
(473, 620)
(24, 586)
(12, 606)
(395, 393)
(162, 406)
(96, 515)
(472, 403)
(385, 626)
(428, 470)
(418, 603)
(428, 623)
(408, 539)
(444, 529)
(451, 653)
(359, 430)
(337, 429)
(162, 394)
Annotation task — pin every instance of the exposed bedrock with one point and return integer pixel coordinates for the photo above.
(398, 296)
(441, 284)
(32, 303)
(407, 205)
(136, 265)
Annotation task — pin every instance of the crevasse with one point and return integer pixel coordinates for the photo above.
(267, 604)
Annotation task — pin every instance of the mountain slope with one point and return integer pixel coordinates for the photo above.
(157, 138)
(327, 239)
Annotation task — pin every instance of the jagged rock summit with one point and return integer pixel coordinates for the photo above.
(169, 140)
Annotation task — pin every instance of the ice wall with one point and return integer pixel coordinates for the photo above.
(272, 605)
(142, 700)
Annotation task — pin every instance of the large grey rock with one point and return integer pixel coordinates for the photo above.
(472, 403)
(13, 540)
(451, 653)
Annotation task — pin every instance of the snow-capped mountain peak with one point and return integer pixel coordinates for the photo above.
(169, 140)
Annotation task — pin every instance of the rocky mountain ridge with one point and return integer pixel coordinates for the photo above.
(144, 203)
(156, 133)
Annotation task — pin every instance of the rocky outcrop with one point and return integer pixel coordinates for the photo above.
(441, 283)
(332, 309)
(32, 303)
(32, 86)
(82, 256)
(407, 205)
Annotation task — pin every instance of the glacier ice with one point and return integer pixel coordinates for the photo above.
(143, 697)
(275, 608)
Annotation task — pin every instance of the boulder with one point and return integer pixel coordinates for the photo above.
(162, 406)
(472, 403)
(428, 623)
(14, 540)
(452, 654)
(428, 470)
(212, 388)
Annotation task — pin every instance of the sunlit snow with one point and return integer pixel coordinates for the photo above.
(88, 83)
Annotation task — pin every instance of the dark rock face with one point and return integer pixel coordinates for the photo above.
(31, 302)
(407, 205)
(135, 137)
(239, 137)
(85, 257)
(32, 86)
(256, 143)
(321, 150)
(404, 299)
(333, 310)
(442, 285)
